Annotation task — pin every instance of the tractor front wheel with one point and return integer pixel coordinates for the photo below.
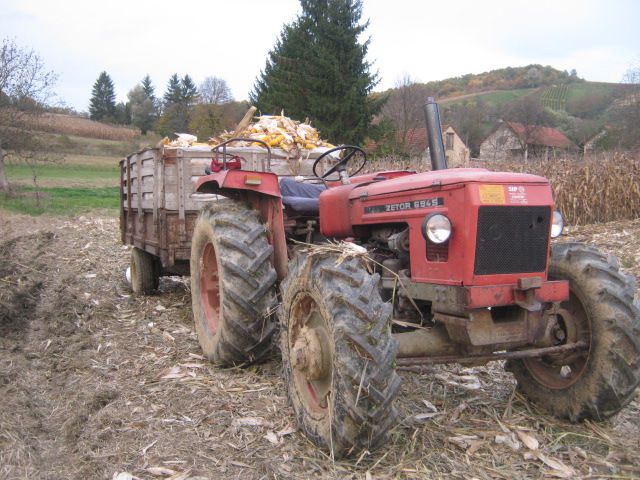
(232, 284)
(338, 353)
(597, 382)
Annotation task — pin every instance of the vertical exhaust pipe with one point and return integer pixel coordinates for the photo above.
(434, 134)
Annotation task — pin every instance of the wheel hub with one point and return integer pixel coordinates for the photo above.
(561, 370)
(309, 356)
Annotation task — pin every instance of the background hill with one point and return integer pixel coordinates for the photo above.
(474, 104)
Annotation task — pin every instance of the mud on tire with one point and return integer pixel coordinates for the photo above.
(232, 284)
(602, 305)
(346, 404)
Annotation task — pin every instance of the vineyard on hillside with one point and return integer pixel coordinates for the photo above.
(555, 97)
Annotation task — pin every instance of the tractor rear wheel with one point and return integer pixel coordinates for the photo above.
(144, 271)
(599, 381)
(232, 284)
(338, 353)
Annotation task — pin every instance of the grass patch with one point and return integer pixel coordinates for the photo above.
(61, 200)
(497, 98)
(75, 171)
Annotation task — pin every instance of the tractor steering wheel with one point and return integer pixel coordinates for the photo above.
(342, 164)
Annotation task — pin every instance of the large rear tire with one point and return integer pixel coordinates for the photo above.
(338, 353)
(599, 381)
(232, 284)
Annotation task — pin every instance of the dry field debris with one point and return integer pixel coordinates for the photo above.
(589, 190)
(73, 125)
(97, 383)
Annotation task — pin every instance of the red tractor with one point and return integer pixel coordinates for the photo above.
(459, 267)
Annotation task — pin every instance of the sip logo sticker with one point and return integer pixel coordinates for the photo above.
(517, 194)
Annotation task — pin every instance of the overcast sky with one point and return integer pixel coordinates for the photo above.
(425, 39)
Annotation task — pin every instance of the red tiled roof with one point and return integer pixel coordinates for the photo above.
(416, 138)
(539, 135)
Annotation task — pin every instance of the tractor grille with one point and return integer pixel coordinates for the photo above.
(512, 240)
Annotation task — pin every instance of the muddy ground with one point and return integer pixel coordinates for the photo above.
(96, 382)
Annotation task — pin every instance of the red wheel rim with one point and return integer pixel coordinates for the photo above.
(210, 288)
(312, 356)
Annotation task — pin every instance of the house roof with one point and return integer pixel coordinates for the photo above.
(416, 138)
(540, 135)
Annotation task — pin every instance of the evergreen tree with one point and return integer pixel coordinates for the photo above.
(189, 91)
(123, 113)
(178, 101)
(103, 99)
(148, 88)
(174, 91)
(317, 69)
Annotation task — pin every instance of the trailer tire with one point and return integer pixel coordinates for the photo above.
(338, 354)
(232, 284)
(600, 311)
(144, 272)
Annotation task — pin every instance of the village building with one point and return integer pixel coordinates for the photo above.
(455, 150)
(512, 140)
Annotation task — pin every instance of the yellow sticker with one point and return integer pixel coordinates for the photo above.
(492, 194)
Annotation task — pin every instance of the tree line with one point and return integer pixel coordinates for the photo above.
(184, 107)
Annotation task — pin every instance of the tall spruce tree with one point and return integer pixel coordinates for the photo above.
(148, 88)
(179, 98)
(189, 91)
(318, 69)
(103, 99)
(174, 90)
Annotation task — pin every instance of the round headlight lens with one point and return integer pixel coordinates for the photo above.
(436, 228)
(558, 224)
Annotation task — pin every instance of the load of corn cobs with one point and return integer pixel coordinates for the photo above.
(294, 145)
(277, 131)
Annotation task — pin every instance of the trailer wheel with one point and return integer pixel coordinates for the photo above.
(599, 381)
(144, 272)
(338, 354)
(232, 284)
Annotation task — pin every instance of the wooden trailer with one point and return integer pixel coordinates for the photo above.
(158, 211)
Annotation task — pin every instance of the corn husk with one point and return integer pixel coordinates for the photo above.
(278, 131)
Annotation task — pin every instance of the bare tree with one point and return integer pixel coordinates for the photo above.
(214, 90)
(404, 108)
(626, 114)
(25, 89)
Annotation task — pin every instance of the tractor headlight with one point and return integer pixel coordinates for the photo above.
(437, 228)
(557, 225)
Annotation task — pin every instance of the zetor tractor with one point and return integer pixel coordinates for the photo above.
(459, 267)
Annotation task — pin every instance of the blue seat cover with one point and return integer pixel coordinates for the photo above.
(303, 198)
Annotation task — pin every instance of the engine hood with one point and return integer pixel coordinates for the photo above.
(440, 178)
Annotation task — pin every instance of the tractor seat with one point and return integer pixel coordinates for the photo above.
(302, 198)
